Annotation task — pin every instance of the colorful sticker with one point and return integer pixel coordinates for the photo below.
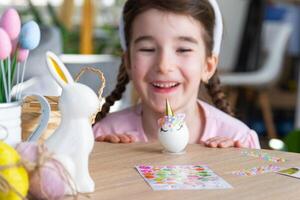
(256, 170)
(181, 177)
(263, 156)
(293, 172)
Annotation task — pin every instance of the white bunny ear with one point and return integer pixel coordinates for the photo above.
(58, 70)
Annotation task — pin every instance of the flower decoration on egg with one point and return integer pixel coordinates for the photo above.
(170, 121)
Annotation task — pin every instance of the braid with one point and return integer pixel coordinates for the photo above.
(217, 95)
(116, 94)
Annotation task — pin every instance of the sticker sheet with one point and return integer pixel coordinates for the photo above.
(293, 172)
(181, 177)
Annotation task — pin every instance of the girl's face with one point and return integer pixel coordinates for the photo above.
(167, 59)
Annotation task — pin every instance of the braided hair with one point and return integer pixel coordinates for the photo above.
(116, 94)
(217, 95)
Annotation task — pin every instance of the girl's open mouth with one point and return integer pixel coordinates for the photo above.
(165, 87)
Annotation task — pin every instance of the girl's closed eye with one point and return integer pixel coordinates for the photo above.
(184, 50)
(147, 49)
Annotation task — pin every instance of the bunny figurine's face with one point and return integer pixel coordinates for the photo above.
(77, 100)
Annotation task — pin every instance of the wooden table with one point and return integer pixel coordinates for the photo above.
(112, 168)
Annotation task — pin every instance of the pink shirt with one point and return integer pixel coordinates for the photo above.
(218, 123)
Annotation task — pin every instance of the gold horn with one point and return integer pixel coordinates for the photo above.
(169, 111)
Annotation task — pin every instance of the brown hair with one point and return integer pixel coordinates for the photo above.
(200, 10)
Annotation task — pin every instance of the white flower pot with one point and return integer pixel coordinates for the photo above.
(10, 121)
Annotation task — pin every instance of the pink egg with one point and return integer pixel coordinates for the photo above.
(28, 151)
(22, 54)
(11, 23)
(5, 45)
(48, 182)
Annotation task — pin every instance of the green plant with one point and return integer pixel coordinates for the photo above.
(105, 43)
(292, 141)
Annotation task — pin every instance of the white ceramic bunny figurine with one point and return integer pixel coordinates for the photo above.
(73, 140)
(173, 133)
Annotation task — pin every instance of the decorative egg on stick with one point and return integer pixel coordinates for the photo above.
(29, 39)
(11, 23)
(18, 41)
(22, 55)
(173, 133)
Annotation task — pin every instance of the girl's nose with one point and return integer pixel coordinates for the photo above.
(164, 62)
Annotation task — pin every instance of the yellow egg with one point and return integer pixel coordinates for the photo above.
(17, 177)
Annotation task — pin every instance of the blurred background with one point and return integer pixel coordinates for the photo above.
(259, 61)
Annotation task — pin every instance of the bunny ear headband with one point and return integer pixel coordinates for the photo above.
(218, 29)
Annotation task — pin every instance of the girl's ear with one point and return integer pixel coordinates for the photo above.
(58, 70)
(209, 68)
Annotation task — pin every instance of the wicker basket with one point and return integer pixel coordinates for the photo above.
(31, 108)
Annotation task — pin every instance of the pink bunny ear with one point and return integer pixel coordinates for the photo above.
(22, 54)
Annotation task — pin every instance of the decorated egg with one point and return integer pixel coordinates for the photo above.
(30, 35)
(11, 23)
(49, 179)
(13, 176)
(173, 133)
(22, 54)
(5, 45)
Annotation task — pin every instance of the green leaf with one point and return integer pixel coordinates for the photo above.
(14, 64)
(2, 91)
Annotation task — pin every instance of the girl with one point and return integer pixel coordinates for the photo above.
(170, 48)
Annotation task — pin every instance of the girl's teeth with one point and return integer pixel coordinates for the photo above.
(164, 85)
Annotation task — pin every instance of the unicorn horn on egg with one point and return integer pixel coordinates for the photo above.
(169, 111)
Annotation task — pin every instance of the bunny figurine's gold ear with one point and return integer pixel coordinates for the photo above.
(58, 70)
